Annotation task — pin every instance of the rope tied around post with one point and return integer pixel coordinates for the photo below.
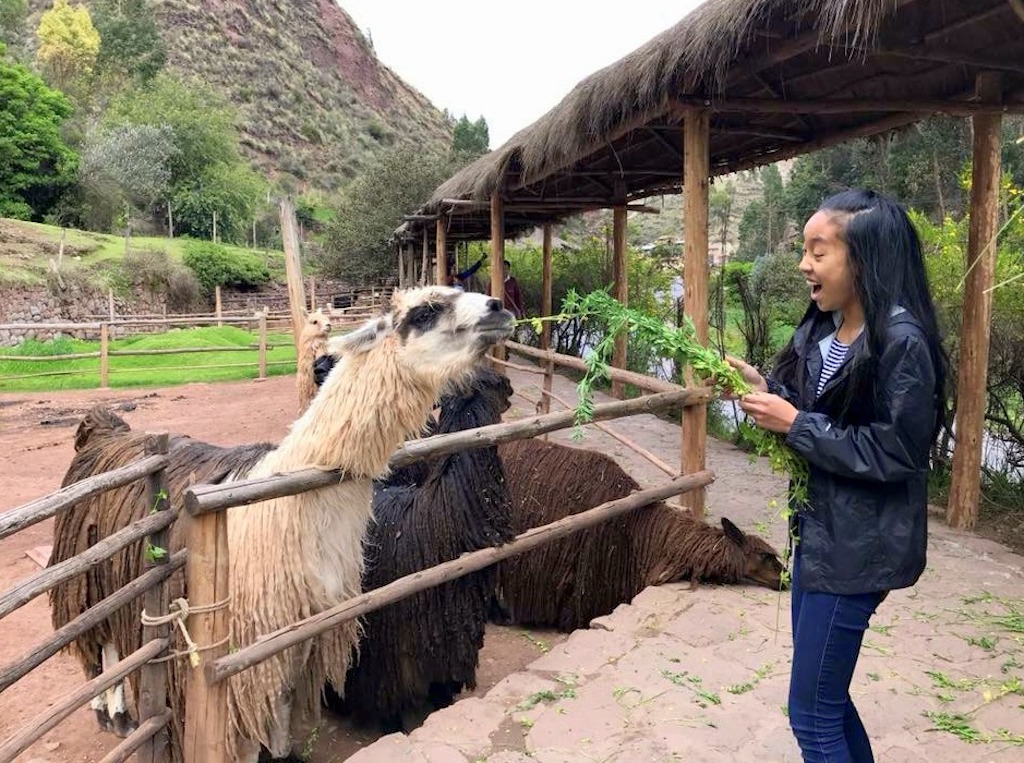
(180, 610)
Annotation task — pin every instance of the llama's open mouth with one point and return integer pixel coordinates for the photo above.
(496, 327)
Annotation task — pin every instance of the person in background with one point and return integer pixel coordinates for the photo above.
(462, 279)
(513, 296)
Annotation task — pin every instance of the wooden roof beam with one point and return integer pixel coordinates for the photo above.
(931, 55)
(891, 122)
(847, 105)
(761, 132)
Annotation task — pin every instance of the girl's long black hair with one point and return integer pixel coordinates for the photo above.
(888, 270)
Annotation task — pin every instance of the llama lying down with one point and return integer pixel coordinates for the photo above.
(292, 556)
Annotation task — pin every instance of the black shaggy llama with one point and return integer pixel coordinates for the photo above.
(569, 582)
(424, 649)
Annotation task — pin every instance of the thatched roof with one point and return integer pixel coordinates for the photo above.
(742, 58)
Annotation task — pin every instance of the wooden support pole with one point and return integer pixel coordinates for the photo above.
(425, 265)
(217, 310)
(401, 267)
(497, 264)
(696, 160)
(410, 264)
(965, 490)
(215, 226)
(546, 309)
(170, 221)
(262, 315)
(441, 259)
(312, 293)
(620, 279)
(111, 316)
(545, 288)
(274, 643)
(293, 269)
(206, 579)
(104, 356)
(153, 676)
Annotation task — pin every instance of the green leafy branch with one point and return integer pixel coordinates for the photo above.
(682, 345)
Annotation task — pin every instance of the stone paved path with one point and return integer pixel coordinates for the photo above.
(702, 675)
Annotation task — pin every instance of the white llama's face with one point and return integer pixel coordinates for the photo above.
(446, 331)
(319, 323)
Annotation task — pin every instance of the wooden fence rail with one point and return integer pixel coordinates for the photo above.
(143, 734)
(32, 731)
(97, 613)
(274, 643)
(639, 381)
(46, 579)
(200, 499)
(35, 511)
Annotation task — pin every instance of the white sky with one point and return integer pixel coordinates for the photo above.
(507, 60)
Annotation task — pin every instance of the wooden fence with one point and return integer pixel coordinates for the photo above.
(206, 569)
(263, 322)
(150, 739)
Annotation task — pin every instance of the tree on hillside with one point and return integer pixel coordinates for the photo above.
(130, 43)
(127, 164)
(764, 223)
(203, 123)
(232, 190)
(207, 173)
(470, 139)
(37, 165)
(68, 44)
(356, 246)
(12, 21)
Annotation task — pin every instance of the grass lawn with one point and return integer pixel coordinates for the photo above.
(233, 345)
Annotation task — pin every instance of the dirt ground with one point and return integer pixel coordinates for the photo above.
(37, 430)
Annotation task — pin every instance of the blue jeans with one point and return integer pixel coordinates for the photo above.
(827, 634)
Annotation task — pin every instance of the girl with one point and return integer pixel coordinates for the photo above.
(859, 394)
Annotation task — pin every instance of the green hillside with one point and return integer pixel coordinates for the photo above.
(313, 101)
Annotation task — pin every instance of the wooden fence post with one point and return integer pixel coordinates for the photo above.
(153, 678)
(206, 576)
(104, 356)
(312, 294)
(293, 269)
(262, 315)
(110, 304)
(696, 170)
(216, 297)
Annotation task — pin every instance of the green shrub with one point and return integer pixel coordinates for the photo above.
(216, 265)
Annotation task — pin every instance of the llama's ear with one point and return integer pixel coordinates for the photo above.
(732, 532)
(362, 339)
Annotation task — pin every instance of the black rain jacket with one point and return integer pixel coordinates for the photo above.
(865, 526)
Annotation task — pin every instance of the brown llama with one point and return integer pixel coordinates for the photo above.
(312, 344)
(568, 583)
